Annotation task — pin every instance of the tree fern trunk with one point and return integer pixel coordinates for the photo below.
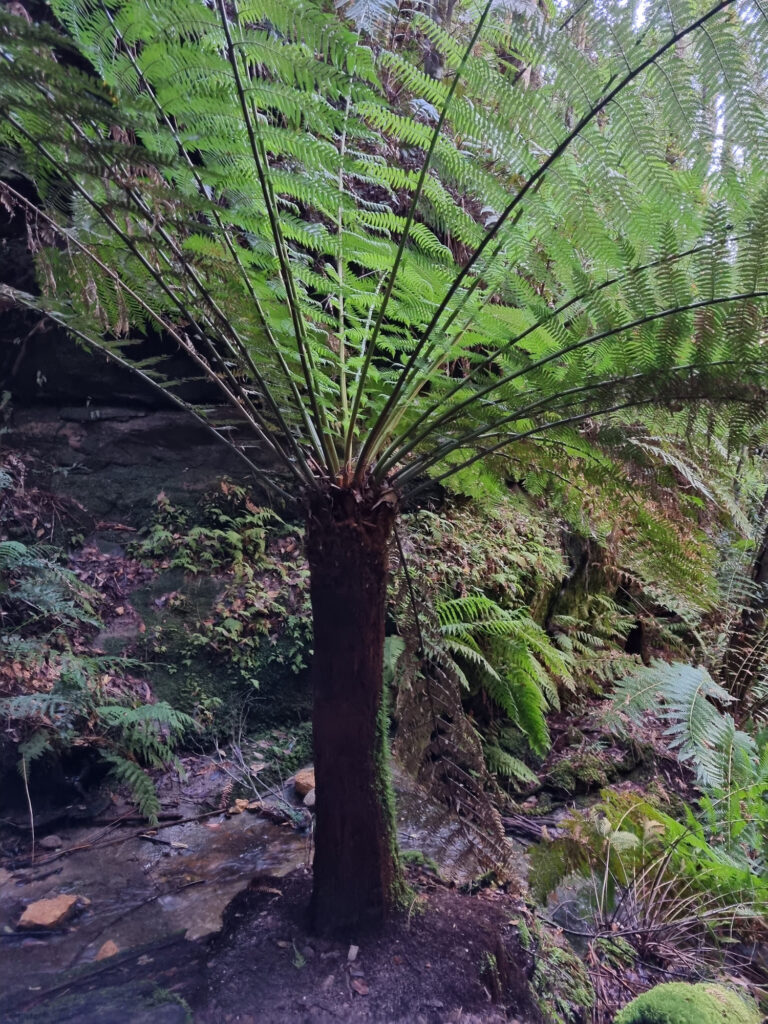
(746, 652)
(357, 877)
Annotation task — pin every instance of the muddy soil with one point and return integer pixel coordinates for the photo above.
(450, 957)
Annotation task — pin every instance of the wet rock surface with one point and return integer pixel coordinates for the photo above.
(162, 913)
(114, 461)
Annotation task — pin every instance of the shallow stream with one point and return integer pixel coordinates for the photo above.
(179, 881)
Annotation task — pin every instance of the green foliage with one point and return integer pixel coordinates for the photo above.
(679, 1003)
(231, 533)
(731, 765)
(284, 752)
(690, 701)
(510, 658)
(593, 637)
(505, 765)
(511, 550)
(651, 880)
(74, 700)
(257, 625)
(143, 793)
(72, 714)
(39, 593)
(608, 259)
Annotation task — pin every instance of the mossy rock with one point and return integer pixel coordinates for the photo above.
(681, 1003)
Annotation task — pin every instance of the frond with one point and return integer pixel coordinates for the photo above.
(699, 731)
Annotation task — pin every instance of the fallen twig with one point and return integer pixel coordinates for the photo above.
(91, 845)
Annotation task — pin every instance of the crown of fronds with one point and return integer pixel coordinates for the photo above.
(384, 273)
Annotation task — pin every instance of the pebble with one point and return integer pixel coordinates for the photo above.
(52, 842)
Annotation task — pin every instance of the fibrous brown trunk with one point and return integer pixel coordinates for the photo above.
(356, 867)
(745, 656)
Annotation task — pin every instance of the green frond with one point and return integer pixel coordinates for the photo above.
(142, 788)
(689, 700)
(508, 767)
(235, 177)
(509, 657)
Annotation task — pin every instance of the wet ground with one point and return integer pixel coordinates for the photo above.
(153, 890)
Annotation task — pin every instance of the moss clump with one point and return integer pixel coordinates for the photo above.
(583, 770)
(681, 1003)
(419, 859)
(561, 983)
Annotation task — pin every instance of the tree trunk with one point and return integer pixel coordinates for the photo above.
(357, 878)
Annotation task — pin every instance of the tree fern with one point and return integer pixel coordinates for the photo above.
(217, 217)
(271, 195)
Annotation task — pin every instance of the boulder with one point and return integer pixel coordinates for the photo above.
(677, 1002)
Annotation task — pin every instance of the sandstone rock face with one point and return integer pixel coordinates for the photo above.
(48, 913)
(303, 781)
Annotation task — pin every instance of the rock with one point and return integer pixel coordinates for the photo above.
(51, 842)
(352, 954)
(238, 806)
(678, 1002)
(303, 781)
(107, 950)
(48, 913)
(309, 799)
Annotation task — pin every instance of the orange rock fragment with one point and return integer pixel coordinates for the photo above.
(48, 913)
(303, 781)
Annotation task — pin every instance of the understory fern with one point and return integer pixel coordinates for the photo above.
(143, 792)
(501, 763)
(730, 765)
(687, 699)
(508, 657)
(130, 739)
(76, 700)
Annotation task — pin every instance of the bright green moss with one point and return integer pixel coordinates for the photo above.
(681, 1003)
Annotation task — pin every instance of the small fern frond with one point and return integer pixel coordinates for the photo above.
(501, 763)
(143, 792)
